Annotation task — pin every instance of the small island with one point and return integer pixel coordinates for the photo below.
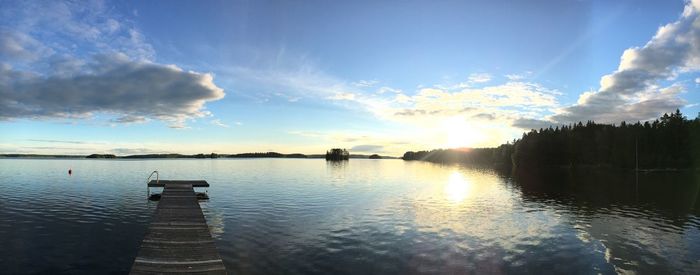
(337, 154)
(375, 156)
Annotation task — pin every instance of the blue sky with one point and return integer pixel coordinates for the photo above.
(373, 76)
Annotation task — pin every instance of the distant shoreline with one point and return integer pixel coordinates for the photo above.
(183, 156)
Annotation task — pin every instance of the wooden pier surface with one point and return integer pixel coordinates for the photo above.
(178, 239)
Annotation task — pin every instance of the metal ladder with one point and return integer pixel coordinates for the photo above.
(148, 188)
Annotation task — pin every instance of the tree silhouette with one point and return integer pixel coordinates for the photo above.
(337, 154)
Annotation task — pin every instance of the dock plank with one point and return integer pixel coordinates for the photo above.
(178, 184)
(178, 239)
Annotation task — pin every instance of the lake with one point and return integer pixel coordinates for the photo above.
(309, 216)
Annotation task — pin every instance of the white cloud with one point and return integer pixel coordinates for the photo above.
(422, 114)
(632, 92)
(439, 117)
(435, 102)
(479, 78)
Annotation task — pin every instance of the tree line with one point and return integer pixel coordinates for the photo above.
(672, 141)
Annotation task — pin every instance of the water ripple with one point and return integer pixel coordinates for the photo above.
(271, 216)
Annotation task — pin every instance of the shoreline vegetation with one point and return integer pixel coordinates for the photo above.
(195, 156)
(669, 143)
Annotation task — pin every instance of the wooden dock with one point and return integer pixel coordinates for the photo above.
(178, 239)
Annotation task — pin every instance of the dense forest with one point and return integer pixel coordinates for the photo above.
(499, 156)
(672, 141)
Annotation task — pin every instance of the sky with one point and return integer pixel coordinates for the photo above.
(135, 77)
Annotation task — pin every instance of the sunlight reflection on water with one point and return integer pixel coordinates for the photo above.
(457, 188)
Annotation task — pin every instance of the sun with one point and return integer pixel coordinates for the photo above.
(459, 133)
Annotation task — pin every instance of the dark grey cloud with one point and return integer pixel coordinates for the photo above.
(130, 90)
(65, 66)
(631, 92)
(367, 148)
(529, 123)
(485, 116)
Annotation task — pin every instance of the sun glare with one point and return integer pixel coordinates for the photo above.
(459, 133)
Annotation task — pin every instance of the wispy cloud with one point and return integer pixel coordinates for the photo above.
(60, 141)
(479, 78)
(516, 77)
(342, 96)
(311, 134)
(367, 148)
(293, 82)
(15, 45)
(386, 89)
(365, 83)
(218, 122)
(427, 109)
(65, 27)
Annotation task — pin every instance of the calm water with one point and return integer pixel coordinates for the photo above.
(273, 216)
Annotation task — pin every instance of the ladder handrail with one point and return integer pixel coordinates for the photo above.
(148, 180)
(151, 175)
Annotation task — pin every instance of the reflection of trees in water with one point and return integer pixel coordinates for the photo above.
(337, 168)
(674, 193)
(645, 223)
(337, 164)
